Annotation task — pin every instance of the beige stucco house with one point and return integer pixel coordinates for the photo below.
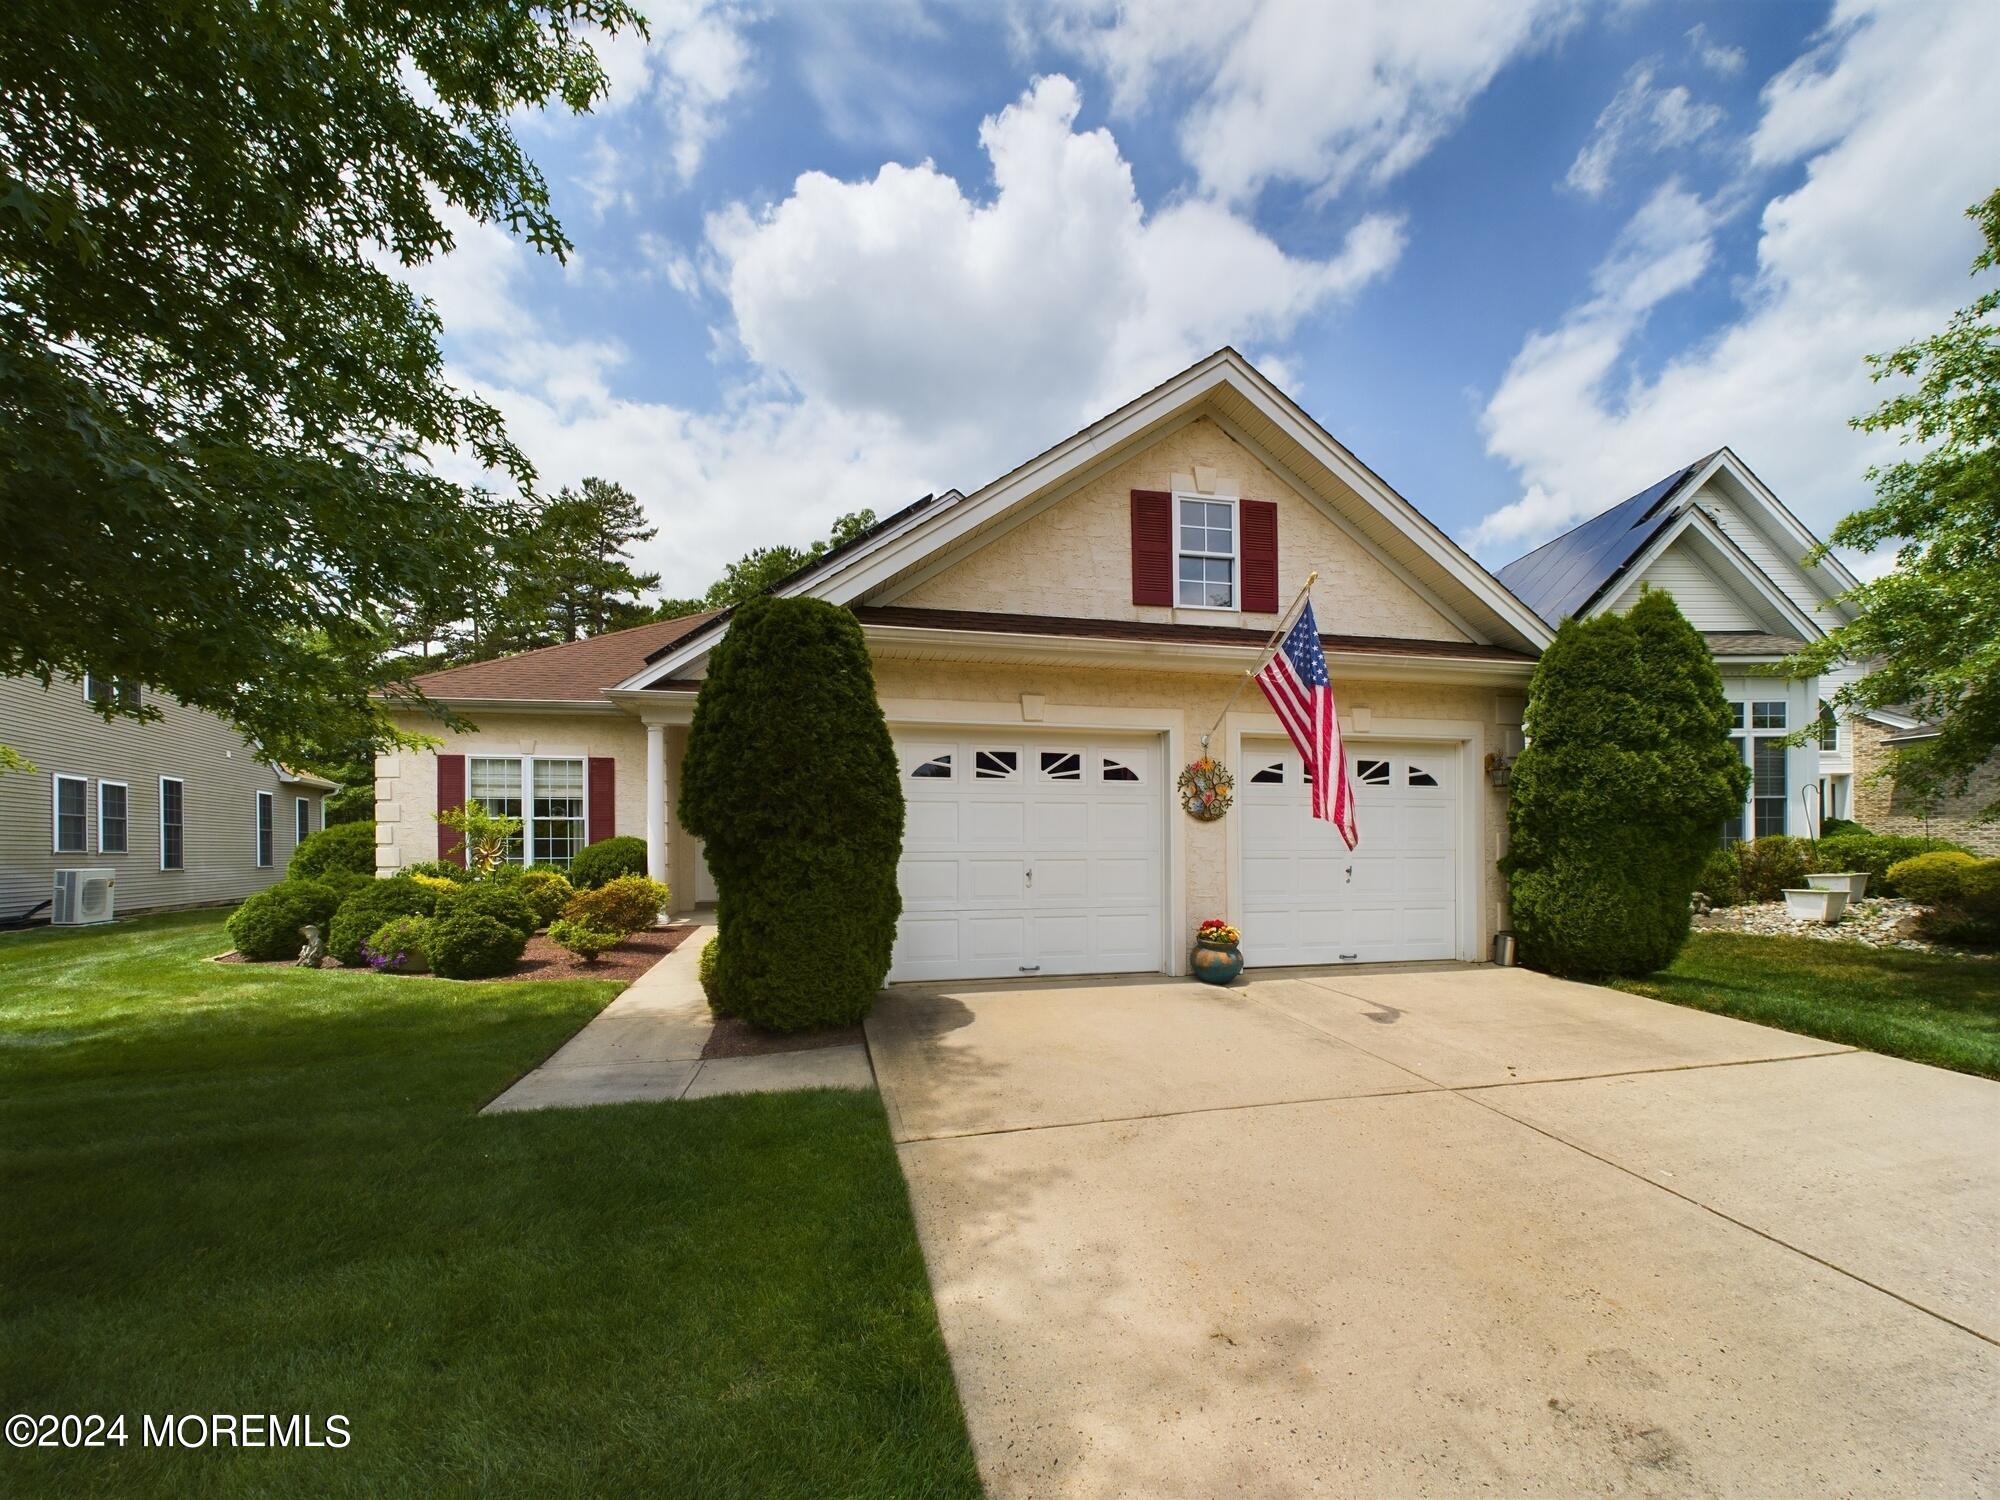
(1049, 651)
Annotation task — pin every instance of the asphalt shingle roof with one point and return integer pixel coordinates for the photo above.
(573, 672)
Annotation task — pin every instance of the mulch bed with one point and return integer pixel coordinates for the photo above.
(542, 959)
(733, 1038)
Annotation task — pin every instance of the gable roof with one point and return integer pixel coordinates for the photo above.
(1237, 394)
(572, 672)
(1567, 574)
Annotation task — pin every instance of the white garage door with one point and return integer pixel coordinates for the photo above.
(1308, 899)
(1028, 854)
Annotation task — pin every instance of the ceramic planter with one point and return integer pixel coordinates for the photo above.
(1216, 963)
(1815, 905)
(1854, 882)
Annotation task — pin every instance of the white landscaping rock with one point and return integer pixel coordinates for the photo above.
(1873, 921)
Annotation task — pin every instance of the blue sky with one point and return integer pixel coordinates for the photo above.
(1523, 258)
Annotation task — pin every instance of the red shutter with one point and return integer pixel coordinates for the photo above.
(451, 793)
(1152, 547)
(1259, 522)
(601, 813)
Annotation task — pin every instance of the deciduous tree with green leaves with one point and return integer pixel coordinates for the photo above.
(215, 397)
(1930, 630)
(758, 570)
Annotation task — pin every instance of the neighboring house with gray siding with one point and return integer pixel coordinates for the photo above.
(179, 808)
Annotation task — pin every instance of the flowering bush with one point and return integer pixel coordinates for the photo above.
(1215, 930)
(400, 945)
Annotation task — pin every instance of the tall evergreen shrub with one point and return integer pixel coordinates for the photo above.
(790, 781)
(1620, 793)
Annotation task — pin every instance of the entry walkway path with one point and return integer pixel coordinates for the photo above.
(646, 1045)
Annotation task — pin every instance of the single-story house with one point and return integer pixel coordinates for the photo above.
(181, 809)
(1051, 649)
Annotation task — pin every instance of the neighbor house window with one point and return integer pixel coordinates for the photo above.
(1761, 734)
(301, 819)
(1207, 559)
(173, 825)
(113, 814)
(1829, 727)
(557, 831)
(545, 793)
(72, 833)
(264, 840)
(99, 692)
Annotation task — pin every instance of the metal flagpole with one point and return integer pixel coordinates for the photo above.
(1284, 622)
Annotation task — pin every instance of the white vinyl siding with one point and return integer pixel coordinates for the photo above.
(69, 823)
(114, 817)
(1705, 599)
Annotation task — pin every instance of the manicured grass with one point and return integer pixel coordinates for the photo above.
(1928, 1008)
(235, 1189)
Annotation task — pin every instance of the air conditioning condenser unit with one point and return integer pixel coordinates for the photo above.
(82, 898)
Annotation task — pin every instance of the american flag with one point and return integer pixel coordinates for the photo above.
(1295, 681)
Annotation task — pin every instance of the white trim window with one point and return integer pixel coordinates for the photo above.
(545, 792)
(266, 833)
(301, 819)
(1759, 729)
(99, 692)
(69, 814)
(173, 823)
(1829, 728)
(1205, 552)
(114, 817)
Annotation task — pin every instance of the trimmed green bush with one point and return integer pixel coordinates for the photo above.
(364, 911)
(267, 926)
(1768, 867)
(466, 943)
(1721, 878)
(1876, 853)
(582, 939)
(503, 902)
(343, 883)
(1627, 776)
(547, 891)
(1970, 914)
(400, 945)
(439, 869)
(344, 846)
(1931, 879)
(801, 830)
(604, 861)
(705, 972)
(630, 903)
(1838, 827)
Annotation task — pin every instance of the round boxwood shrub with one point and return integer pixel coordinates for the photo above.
(801, 830)
(547, 891)
(441, 869)
(1720, 879)
(1627, 776)
(705, 972)
(344, 883)
(267, 926)
(1971, 912)
(582, 939)
(607, 859)
(400, 945)
(364, 911)
(504, 902)
(1837, 827)
(344, 846)
(466, 943)
(630, 903)
(1877, 853)
(1931, 879)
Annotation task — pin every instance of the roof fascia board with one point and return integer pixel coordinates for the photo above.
(928, 642)
(1790, 525)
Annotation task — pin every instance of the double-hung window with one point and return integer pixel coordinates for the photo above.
(264, 830)
(173, 823)
(1760, 729)
(114, 811)
(72, 796)
(301, 819)
(1207, 553)
(545, 792)
(1829, 727)
(101, 692)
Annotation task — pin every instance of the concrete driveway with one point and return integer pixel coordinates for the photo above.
(1434, 1231)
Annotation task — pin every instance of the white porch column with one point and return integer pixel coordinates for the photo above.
(656, 801)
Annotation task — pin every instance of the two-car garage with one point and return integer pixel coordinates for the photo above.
(1040, 854)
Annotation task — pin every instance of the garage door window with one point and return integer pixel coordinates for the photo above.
(938, 766)
(1372, 772)
(995, 765)
(1420, 777)
(1117, 770)
(1062, 765)
(1271, 775)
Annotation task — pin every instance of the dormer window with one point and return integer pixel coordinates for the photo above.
(1207, 554)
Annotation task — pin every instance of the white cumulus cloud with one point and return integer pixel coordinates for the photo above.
(1869, 251)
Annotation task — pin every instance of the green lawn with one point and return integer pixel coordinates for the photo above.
(1928, 1008)
(262, 1190)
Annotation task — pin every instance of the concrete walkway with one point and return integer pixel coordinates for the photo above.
(1430, 1233)
(646, 1045)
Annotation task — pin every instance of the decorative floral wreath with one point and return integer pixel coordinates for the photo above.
(1206, 789)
